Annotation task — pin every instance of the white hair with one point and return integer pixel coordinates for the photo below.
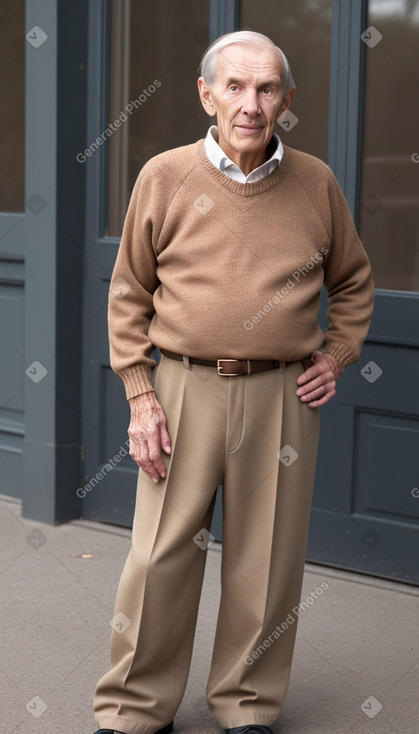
(208, 63)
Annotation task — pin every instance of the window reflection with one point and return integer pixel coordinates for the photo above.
(302, 28)
(163, 44)
(389, 211)
(12, 109)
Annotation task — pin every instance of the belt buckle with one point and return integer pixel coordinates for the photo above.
(226, 374)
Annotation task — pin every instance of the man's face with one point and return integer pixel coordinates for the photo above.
(247, 98)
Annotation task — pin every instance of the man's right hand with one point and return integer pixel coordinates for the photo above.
(148, 434)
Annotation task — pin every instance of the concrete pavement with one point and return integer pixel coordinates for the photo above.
(356, 660)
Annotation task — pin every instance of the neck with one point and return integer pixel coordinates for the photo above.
(247, 162)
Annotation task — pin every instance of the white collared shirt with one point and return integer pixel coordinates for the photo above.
(219, 159)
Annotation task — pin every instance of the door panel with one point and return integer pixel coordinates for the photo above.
(385, 474)
(365, 513)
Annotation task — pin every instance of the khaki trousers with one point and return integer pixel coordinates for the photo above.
(224, 430)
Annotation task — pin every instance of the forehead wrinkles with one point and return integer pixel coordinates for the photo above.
(248, 68)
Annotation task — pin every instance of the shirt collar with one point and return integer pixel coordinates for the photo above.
(219, 159)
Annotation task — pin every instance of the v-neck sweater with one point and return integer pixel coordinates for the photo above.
(213, 268)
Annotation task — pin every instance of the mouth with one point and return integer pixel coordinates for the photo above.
(249, 129)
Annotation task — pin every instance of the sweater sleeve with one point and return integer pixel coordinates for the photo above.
(133, 283)
(349, 283)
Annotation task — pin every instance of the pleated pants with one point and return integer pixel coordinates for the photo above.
(253, 435)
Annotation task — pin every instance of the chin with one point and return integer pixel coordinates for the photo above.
(253, 144)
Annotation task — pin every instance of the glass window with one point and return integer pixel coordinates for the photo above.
(389, 211)
(303, 31)
(155, 53)
(12, 109)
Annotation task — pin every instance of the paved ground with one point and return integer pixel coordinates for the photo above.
(355, 666)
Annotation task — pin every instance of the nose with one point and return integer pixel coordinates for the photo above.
(250, 105)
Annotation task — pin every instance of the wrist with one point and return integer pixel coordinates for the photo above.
(139, 402)
(335, 367)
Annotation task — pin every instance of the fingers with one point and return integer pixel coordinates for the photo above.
(148, 434)
(314, 381)
(164, 437)
(145, 450)
(317, 385)
(317, 394)
(319, 397)
(150, 458)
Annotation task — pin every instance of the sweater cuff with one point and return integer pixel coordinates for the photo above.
(137, 380)
(343, 355)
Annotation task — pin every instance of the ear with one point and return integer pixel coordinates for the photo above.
(205, 97)
(287, 101)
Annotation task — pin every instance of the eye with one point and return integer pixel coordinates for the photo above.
(233, 88)
(267, 90)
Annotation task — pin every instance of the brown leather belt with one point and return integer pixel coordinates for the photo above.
(234, 367)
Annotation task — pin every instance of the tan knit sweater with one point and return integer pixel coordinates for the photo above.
(209, 267)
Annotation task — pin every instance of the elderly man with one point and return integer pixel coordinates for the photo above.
(225, 248)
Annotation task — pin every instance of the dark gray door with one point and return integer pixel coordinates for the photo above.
(366, 502)
(366, 507)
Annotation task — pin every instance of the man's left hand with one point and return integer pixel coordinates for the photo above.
(318, 383)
